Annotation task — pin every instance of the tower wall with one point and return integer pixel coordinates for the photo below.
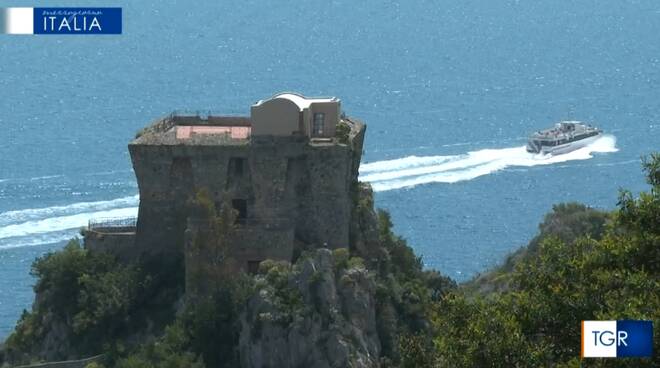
(290, 190)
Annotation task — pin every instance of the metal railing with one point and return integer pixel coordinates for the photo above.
(111, 222)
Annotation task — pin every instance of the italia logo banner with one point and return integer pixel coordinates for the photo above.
(617, 339)
(58, 21)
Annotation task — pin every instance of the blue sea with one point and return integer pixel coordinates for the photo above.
(449, 89)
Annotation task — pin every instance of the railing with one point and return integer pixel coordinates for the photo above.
(111, 222)
(66, 364)
(202, 113)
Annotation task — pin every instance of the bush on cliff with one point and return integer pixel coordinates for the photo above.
(405, 295)
(171, 350)
(585, 271)
(205, 334)
(87, 300)
(566, 222)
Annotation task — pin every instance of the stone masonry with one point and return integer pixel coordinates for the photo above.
(287, 173)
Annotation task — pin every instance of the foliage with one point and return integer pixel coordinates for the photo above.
(342, 132)
(287, 300)
(210, 245)
(404, 297)
(566, 222)
(610, 272)
(212, 324)
(341, 256)
(205, 334)
(170, 351)
(404, 263)
(417, 351)
(438, 284)
(584, 264)
(94, 298)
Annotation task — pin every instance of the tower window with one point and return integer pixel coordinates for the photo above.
(318, 124)
(237, 166)
(240, 205)
(253, 267)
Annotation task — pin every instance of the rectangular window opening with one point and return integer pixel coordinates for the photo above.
(253, 267)
(318, 124)
(237, 166)
(240, 205)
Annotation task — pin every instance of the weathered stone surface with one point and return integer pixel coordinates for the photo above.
(334, 326)
(120, 243)
(291, 187)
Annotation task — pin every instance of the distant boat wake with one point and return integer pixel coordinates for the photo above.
(35, 226)
(411, 171)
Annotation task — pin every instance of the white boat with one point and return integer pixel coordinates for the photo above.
(565, 137)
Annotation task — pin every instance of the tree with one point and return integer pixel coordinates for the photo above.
(585, 270)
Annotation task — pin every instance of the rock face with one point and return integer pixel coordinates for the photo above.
(321, 313)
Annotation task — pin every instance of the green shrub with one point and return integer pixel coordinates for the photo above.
(342, 132)
(341, 256)
(356, 262)
(169, 351)
(404, 263)
(98, 300)
(585, 270)
(417, 351)
(94, 365)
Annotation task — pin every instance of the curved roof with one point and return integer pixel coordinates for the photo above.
(301, 101)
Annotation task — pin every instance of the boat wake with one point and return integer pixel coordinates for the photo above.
(36, 226)
(411, 171)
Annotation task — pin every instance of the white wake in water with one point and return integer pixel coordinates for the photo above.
(36, 226)
(412, 170)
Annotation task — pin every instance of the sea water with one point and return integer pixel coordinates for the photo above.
(450, 91)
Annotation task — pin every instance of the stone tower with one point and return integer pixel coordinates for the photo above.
(287, 171)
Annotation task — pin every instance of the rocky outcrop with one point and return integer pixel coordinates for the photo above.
(321, 312)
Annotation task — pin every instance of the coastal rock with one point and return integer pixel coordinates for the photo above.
(319, 312)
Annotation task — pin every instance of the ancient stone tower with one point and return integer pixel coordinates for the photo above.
(287, 170)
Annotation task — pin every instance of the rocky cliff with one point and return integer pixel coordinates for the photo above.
(332, 323)
(347, 307)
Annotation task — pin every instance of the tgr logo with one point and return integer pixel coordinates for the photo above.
(612, 339)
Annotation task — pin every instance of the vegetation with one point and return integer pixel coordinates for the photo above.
(342, 132)
(210, 245)
(90, 300)
(567, 222)
(403, 285)
(585, 265)
(205, 334)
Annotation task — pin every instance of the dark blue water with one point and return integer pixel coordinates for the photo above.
(433, 79)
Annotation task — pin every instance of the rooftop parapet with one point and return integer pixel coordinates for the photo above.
(318, 119)
(198, 129)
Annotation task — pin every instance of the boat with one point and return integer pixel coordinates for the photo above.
(566, 136)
